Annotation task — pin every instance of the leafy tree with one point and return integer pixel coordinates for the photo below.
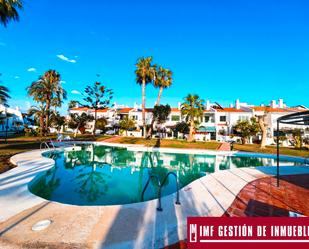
(97, 97)
(298, 138)
(145, 73)
(101, 123)
(192, 109)
(161, 113)
(48, 91)
(72, 104)
(8, 11)
(57, 120)
(163, 79)
(246, 129)
(182, 127)
(126, 124)
(78, 122)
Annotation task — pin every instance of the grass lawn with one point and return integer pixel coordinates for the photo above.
(165, 143)
(20, 144)
(272, 150)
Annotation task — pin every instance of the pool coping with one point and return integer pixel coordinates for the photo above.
(202, 191)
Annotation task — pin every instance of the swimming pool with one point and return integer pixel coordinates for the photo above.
(104, 175)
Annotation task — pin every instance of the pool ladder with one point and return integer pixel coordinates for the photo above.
(46, 145)
(159, 208)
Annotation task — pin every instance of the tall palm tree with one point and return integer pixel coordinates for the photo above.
(39, 113)
(4, 95)
(8, 10)
(162, 80)
(48, 90)
(144, 75)
(192, 109)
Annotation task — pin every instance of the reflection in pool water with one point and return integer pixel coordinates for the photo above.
(101, 175)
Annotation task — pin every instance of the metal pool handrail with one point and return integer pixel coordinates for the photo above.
(159, 208)
(44, 143)
(147, 183)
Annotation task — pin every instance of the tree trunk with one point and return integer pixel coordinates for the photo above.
(47, 116)
(190, 138)
(95, 121)
(41, 125)
(143, 107)
(76, 130)
(263, 127)
(153, 119)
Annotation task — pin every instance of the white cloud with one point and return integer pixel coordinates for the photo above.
(63, 82)
(75, 92)
(31, 69)
(16, 77)
(64, 58)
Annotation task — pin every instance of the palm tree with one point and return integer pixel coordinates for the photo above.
(144, 75)
(163, 79)
(8, 10)
(39, 113)
(192, 109)
(48, 90)
(4, 95)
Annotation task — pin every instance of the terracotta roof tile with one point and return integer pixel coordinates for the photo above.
(125, 110)
(230, 109)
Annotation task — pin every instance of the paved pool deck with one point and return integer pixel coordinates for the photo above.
(137, 225)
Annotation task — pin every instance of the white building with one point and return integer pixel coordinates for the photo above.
(11, 120)
(217, 122)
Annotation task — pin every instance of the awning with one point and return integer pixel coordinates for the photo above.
(206, 129)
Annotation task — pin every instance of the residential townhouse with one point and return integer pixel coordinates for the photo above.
(217, 122)
(11, 120)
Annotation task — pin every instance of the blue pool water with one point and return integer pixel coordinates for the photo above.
(102, 175)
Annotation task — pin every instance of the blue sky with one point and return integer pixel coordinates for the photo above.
(221, 50)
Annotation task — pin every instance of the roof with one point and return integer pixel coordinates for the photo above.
(175, 109)
(270, 109)
(103, 110)
(80, 109)
(230, 109)
(125, 110)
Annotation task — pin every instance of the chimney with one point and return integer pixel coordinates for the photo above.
(207, 105)
(179, 105)
(280, 103)
(237, 104)
(273, 104)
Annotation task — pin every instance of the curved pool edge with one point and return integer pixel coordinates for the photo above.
(210, 195)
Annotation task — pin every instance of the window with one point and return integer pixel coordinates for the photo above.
(222, 118)
(209, 119)
(175, 117)
(242, 118)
